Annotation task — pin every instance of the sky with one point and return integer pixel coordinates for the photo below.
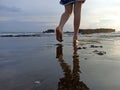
(35, 15)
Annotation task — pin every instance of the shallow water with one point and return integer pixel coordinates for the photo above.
(39, 63)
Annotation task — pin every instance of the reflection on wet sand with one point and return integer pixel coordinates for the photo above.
(71, 79)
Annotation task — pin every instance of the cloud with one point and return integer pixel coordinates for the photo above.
(17, 26)
(4, 8)
(3, 18)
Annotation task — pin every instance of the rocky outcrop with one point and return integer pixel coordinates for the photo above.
(99, 30)
(86, 31)
(49, 31)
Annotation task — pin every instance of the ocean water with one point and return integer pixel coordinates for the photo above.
(40, 34)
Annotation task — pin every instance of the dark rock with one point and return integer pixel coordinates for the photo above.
(49, 31)
(101, 46)
(79, 48)
(99, 52)
(68, 32)
(94, 46)
(84, 47)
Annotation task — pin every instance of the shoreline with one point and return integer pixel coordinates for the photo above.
(51, 31)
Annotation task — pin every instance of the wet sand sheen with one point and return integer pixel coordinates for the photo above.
(37, 63)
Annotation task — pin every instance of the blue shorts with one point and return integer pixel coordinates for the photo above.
(66, 2)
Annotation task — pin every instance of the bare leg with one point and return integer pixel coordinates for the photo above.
(65, 16)
(77, 16)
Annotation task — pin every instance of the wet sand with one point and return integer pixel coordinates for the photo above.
(40, 63)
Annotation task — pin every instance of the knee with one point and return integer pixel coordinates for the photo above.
(68, 12)
(77, 14)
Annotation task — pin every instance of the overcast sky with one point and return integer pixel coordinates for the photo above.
(20, 15)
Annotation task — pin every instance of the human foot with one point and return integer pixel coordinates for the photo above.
(59, 34)
(75, 42)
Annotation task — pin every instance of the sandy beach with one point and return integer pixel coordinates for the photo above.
(41, 63)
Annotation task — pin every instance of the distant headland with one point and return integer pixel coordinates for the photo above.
(98, 30)
(86, 31)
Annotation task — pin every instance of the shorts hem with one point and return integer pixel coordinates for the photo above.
(72, 2)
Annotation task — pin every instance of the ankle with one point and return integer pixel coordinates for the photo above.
(59, 28)
(75, 42)
(75, 38)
